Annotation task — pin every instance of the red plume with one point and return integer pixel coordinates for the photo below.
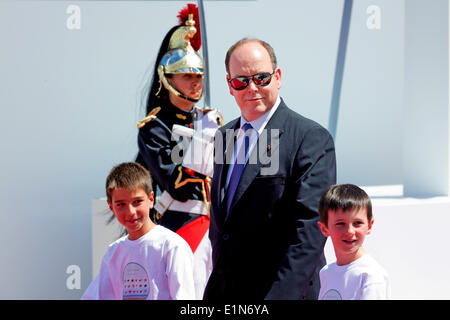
(191, 8)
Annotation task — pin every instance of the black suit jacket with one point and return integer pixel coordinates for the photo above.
(270, 246)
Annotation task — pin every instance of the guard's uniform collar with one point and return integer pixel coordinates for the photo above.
(184, 116)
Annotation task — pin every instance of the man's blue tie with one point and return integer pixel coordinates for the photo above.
(238, 167)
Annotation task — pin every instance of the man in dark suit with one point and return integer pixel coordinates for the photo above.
(264, 233)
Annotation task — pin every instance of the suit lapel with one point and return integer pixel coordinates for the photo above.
(251, 170)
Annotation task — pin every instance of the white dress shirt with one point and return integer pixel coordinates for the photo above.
(258, 126)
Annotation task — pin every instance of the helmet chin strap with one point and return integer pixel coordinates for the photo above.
(179, 94)
(176, 92)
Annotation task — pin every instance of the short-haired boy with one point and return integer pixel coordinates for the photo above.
(151, 262)
(346, 217)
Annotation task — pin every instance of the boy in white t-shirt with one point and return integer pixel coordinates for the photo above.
(151, 262)
(346, 217)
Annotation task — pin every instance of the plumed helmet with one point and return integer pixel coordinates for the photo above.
(181, 56)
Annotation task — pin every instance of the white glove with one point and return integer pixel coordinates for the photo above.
(199, 155)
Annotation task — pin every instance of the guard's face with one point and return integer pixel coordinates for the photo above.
(189, 84)
(249, 59)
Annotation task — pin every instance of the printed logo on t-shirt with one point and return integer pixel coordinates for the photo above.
(332, 294)
(135, 282)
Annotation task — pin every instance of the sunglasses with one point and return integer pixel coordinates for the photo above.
(260, 79)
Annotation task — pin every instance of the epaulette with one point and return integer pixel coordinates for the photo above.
(149, 117)
(219, 118)
(204, 110)
(219, 114)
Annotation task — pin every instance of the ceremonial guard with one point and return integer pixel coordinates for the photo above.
(175, 141)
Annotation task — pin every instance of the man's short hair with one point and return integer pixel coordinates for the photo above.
(346, 197)
(130, 176)
(268, 47)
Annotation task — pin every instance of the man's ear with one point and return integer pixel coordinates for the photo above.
(324, 229)
(278, 77)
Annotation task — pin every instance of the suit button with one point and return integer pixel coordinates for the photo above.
(226, 236)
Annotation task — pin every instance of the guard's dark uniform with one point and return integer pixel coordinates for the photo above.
(162, 152)
(156, 147)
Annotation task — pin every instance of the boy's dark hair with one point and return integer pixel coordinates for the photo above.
(130, 176)
(345, 197)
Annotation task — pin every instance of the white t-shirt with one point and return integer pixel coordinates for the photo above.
(157, 266)
(363, 279)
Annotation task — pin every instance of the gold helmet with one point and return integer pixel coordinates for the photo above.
(181, 57)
